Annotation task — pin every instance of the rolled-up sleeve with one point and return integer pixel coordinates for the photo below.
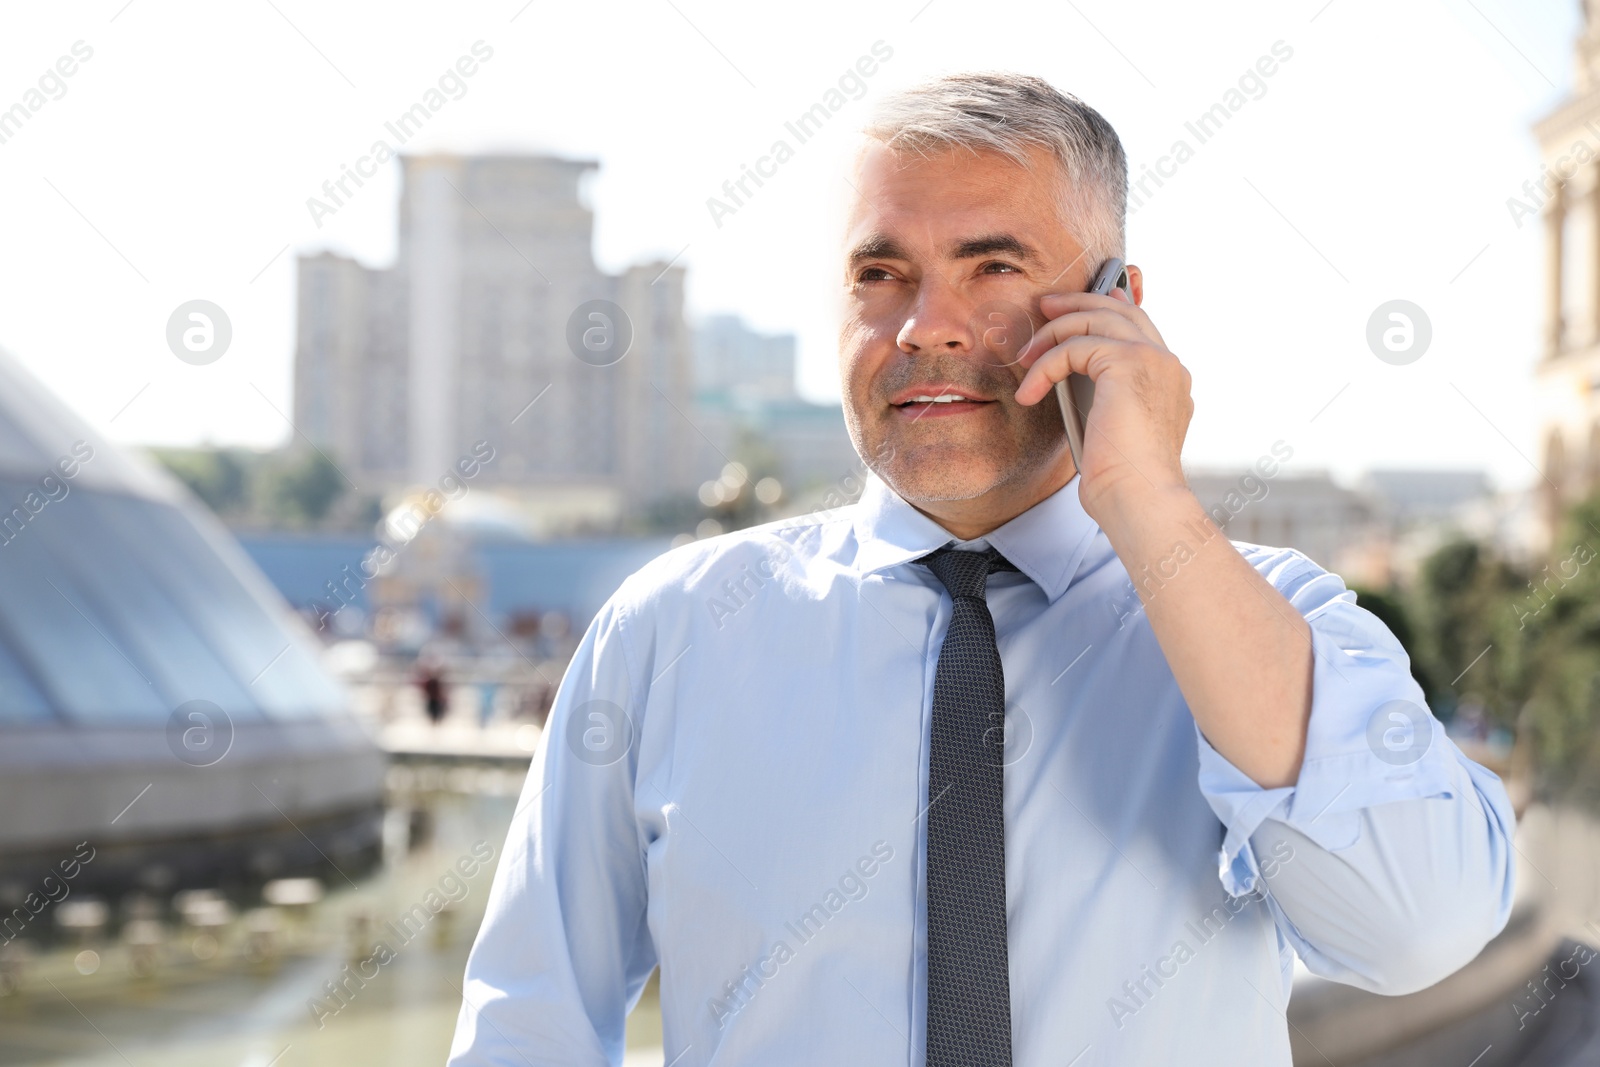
(1389, 861)
(564, 949)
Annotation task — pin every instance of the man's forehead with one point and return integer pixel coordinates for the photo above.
(951, 202)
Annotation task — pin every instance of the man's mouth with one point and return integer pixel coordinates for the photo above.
(937, 402)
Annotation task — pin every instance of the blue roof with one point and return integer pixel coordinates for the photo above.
(575, 577)
(301, 564)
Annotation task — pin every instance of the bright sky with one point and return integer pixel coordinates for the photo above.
(1375, 166)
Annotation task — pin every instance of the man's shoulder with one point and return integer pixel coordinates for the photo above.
(703, 565)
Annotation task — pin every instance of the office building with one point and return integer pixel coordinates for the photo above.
(478, 332)
(747, 407)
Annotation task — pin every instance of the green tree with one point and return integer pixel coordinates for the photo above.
(1558, 612)
(1468, 636)
(219, 477)
(1525, 645)
(299, 489)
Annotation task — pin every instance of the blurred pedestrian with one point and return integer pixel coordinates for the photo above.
(431, 683)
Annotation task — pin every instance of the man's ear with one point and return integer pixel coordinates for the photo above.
(1136, 284)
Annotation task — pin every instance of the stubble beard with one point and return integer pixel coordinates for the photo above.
(946, 470)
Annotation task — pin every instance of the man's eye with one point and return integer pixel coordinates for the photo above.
(995, 268)
(873, 274)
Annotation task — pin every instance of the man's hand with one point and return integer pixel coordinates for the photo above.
(1141, 406)
(1239, 651)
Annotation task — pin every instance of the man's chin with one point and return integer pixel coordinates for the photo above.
(950, 470)
(945, 477)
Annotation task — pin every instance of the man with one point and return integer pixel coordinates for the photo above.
(1076, 789)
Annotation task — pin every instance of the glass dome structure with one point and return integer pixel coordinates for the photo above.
(158, 699)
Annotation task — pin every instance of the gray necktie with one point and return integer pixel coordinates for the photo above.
(969, 987)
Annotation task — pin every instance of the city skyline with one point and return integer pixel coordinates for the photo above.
(1370, 222)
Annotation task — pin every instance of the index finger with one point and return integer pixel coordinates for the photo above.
(1096, 321)
(1065, 302)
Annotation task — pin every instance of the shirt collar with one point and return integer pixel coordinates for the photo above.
(1047, 542)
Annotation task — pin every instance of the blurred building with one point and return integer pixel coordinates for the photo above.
(1566, 199)
(1373, 533)
(400, 370)
(731, 358)
(746, 405)
(157, 697)
(1414, 512)
(1405, 498)
(1309, 511)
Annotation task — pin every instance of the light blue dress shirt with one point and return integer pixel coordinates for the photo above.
(732, 781)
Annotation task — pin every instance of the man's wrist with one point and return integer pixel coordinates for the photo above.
(1141, 508)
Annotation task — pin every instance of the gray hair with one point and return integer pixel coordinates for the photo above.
(1009, 114)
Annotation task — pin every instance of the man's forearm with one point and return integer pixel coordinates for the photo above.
(1241, 654)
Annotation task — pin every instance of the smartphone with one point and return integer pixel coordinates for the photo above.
(1076, 393)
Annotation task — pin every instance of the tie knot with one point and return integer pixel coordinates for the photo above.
(965, 572)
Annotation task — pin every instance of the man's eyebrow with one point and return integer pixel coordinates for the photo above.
(878, 246)
(883, 246)
(990, 243)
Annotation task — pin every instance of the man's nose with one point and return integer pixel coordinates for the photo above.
(940, 320)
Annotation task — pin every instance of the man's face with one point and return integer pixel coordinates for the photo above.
(946, 259)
